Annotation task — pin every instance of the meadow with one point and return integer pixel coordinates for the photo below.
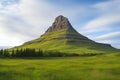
(102, 67)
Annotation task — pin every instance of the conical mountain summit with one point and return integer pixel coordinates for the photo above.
(60, 22)
(62, 37)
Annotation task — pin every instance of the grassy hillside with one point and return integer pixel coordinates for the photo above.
(106, 67)
(68, 41)
(62, 37)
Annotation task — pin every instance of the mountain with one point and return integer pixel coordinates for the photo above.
(62, 37)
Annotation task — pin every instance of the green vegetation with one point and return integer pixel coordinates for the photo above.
(60, 54)
(60, 41)
(39, 53)
(103, 67)
(62, 37)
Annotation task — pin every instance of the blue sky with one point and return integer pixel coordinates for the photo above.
(24, 20)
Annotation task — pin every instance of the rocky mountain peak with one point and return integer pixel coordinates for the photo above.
(60, 22)
(61, 19)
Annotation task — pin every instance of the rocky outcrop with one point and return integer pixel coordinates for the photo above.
(60, 22)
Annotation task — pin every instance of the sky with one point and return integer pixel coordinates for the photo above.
(25, 20)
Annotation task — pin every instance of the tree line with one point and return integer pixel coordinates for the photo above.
(32, 53)
(37, 53)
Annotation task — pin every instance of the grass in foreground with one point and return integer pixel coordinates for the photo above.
(64, 68)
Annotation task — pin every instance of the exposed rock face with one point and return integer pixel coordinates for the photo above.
(60, 22)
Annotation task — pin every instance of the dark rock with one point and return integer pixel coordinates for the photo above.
(60, 22)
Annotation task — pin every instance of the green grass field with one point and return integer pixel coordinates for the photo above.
(105, 67)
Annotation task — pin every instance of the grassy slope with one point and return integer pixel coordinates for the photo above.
(80, 47)
(106, 67)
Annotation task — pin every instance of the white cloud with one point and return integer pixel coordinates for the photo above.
(112, 6)
(11, 38)
(109, 14)
(102, 23)
(111, 38)
(113, 35)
